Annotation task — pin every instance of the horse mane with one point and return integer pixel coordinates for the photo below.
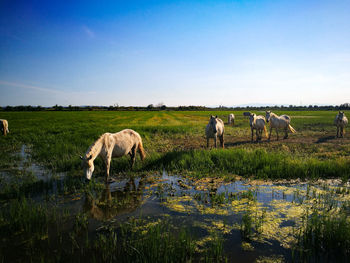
(273, 114)
(95, 148)
(252, 122)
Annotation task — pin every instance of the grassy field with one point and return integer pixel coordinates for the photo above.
(175, 141)
(39, 217)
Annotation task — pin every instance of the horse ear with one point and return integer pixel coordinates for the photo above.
(216, 116)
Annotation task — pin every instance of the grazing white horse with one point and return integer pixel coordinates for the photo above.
(231, 119)
(214, 129)
(257, 123)
(279, 122)
(340, 121)
(113, 145)
(4, 127)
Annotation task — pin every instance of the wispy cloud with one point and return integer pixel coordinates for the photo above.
(47, 90)
(88, 32)
(24, 86)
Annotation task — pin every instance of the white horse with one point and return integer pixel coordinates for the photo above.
(231, 119)
(340, 121)
(113, 145)
(279, 122)
(214, 129)
(4, 127)
(257, 123)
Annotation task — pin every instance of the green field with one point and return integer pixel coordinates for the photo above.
(38, 212)
(176, 140)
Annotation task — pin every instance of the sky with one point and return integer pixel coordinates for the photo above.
(209, 53)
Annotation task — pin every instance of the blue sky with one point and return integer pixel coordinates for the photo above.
(175, 52)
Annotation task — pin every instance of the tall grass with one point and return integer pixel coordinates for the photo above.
(258, 163)
(157, 243)
(32, 233)
(324, 236)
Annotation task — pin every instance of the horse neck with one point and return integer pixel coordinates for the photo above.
(95, 149)
(252, 122)
(273, 116)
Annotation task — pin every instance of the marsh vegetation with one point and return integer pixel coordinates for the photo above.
(286, 200)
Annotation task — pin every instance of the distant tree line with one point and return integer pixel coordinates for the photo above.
(162, 107)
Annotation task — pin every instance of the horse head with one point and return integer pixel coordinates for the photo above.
(88, 166)
(252, 117)
(268, 115)
(340, 115)
(213, 122)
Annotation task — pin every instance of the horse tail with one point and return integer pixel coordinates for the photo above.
(291, 129)
(7, 127)
(141, 151)
(265, 130)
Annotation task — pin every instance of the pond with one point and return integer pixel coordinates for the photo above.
(214, 219)
(254, 219)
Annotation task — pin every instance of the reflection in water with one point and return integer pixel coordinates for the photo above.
(112, 202)
(255, 218)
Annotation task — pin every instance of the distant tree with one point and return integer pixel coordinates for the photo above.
(344, 106)
(149, 107)
(160, 104)
(57, 108)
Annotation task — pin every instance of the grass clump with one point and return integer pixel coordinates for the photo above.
(150, 243)
(258, 163)
(324, 236)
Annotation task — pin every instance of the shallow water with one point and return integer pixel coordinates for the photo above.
(256, 219)
(211, 207)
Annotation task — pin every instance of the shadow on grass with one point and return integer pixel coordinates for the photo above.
(232, 144)
(324, 139)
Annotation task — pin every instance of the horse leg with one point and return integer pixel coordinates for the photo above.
(133, 155)
(341, 132)
(268, 139)
(222, 141)
(215, 138)
(207, 142)
(285, 133)
(257, 134)
(108, 166)
(252, 134)
(260, 135)
(277, 133)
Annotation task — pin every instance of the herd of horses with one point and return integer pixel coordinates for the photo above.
(129, 142)
(215, 127)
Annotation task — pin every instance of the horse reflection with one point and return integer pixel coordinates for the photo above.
(113, 203)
